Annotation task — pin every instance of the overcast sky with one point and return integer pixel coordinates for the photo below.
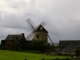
(62, 17)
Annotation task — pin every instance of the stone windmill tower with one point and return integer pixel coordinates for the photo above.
(39, 33)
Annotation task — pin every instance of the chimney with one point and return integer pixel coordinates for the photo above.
(22, 34)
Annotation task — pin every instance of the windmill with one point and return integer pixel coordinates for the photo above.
(38, 33)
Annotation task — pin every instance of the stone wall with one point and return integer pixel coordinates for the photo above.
(42, 36)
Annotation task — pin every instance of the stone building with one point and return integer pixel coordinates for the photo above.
(69, 46)
(14, 41)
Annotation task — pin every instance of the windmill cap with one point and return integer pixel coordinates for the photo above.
(41, 28)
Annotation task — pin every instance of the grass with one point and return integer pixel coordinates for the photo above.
(21, 55)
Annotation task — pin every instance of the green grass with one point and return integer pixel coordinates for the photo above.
(21, 55)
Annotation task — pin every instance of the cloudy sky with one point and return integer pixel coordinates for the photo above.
(62, 17)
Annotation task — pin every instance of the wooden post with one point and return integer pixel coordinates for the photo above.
(67, 59)
(43, 58)
(25, 59)
(56, 58)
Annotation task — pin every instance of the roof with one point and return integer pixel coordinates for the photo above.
(41, 28)
(69, 40)
(13, 37)
(69, 45)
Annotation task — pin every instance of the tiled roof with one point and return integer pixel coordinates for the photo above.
(69, 45)
(13, 37)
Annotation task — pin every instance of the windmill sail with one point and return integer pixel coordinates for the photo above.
(50, 39)
(29, 36)
(31, 25)
(42, 23)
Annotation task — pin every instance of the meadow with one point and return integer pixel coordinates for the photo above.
(21, 55)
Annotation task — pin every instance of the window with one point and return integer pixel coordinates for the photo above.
(41, 28)
(37, 35)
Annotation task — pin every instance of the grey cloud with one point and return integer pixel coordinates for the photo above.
(61, 17)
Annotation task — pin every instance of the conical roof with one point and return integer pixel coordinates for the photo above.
(40, 28)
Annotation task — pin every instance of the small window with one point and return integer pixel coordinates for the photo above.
(41, 28)
(37, 35)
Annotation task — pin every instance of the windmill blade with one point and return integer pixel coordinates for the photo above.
(42, 23)
(50, 39)
(30, 23)
(29, 36)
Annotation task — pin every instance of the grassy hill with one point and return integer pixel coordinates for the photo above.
(21, 55)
